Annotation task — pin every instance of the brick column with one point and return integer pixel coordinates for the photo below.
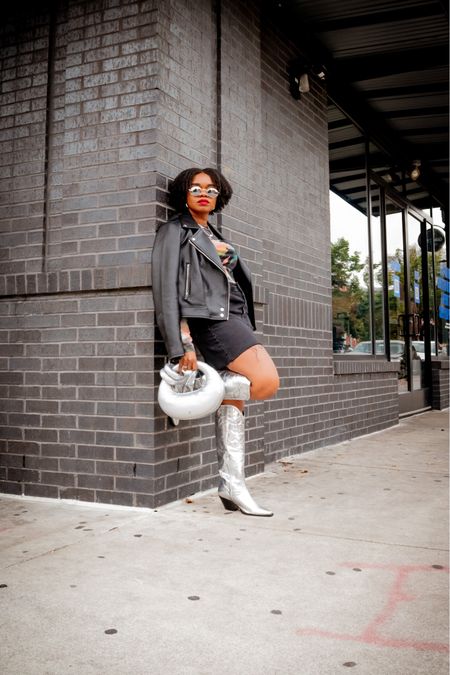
(81, 197)
(440, 384)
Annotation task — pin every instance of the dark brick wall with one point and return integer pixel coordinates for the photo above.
(22, 122)
(77, 394)
(440, 384)
(103, 136)
(81, 191)
(80, 196)
(101, 104)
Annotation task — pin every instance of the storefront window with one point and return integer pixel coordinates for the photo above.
(396, 289)
(438, 300)
(387, 299)
(416, 325)
(377, 268)
(349, 278)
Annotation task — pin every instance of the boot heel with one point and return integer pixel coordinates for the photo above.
(230, 506)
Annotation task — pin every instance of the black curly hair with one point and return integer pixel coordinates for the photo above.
(181, 183)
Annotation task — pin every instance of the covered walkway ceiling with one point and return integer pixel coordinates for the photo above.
(387, 69)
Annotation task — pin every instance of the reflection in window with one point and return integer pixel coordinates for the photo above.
(415, 317)
(396, 288)
(349, 276)
(440, 326)
(377, 269)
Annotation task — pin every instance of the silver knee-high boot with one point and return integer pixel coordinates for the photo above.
(230, 437)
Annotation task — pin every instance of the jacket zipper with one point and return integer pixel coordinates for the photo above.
(188, 281)
(218, 267)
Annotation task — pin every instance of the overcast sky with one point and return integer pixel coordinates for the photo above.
(349, 223)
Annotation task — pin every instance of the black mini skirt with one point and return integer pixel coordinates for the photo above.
(220, 342)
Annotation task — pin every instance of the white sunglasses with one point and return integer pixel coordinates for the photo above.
(196, 191)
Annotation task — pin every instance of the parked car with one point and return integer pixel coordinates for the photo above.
(397, 348)
(419, 346)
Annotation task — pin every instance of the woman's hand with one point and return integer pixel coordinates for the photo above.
(187, 362)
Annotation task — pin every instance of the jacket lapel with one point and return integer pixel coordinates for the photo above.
(202, 241)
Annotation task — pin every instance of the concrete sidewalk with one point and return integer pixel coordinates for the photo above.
(350, 573)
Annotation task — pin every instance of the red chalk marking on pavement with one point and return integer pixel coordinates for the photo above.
(396, 595)
(377, 642)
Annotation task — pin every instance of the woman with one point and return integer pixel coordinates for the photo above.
(203, 295)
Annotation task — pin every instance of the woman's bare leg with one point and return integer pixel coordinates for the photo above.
(256, 364)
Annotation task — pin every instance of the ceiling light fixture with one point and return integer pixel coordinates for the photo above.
(303, 83)
(300, 76)
(414, 172)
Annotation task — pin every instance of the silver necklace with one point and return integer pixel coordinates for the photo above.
(207, 231)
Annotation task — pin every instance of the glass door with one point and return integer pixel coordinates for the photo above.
(396, 347)
(417, 319)
(409, 320)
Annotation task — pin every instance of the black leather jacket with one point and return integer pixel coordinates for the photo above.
(189, 281)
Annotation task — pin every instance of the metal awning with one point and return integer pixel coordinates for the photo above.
(387, 79)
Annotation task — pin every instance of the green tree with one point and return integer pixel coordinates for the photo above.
(350, 297)
(343, 264)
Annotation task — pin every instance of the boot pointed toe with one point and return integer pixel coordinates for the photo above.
(230, 436)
